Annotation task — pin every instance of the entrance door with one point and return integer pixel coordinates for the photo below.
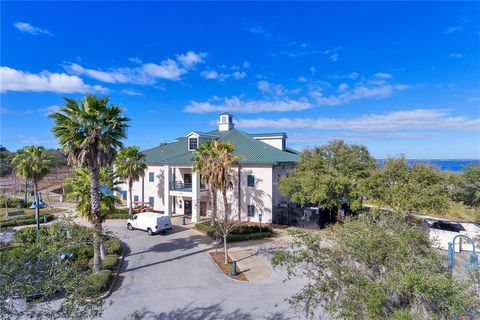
(188, 207)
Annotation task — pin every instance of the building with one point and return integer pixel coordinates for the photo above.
(170, 186)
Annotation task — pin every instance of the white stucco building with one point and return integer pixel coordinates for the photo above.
(170, 185)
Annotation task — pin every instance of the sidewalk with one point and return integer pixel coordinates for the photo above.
(252, 266)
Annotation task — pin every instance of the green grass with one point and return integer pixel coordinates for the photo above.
(28, 212)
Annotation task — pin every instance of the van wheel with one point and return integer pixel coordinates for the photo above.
(149, 231)
(129, 226)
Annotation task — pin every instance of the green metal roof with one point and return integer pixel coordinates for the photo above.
(252, 151)
(273, 134)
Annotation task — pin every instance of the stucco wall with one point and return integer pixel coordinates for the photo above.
(278, 172)
(274, 142)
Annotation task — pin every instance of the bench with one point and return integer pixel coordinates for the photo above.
(15, 213)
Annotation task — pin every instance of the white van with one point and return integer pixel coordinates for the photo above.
(151, 222)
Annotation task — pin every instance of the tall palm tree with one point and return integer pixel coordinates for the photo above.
(218, 163)
(90, 133)
(203, 160)
(33, 163)
(130, 166)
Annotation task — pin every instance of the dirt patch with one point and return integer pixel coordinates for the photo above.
(219, 259)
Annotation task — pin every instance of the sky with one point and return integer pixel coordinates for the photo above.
(400, 78)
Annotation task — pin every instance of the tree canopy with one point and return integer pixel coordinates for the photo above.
(327, 174)
(375, 266)
(420, 188)
(467, 187)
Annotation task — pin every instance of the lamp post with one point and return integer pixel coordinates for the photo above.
(473, 256)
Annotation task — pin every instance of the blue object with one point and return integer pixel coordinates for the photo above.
(234, 269)
(34, 205)
(472, 264)
(66, 255)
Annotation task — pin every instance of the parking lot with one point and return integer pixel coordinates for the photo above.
(172, 277)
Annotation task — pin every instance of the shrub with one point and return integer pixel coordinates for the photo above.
(242, 232)
(23, 221)
(94, 284)
(119, 214)
(14, 202)
(110, 261)
(113, 245)
(29, 234)
(83, 252)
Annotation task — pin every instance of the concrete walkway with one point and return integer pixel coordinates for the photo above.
(252, 266)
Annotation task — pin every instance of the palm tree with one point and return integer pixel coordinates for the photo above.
(78, 189)
(203, 159)
(90, 133)
(130, 166)
(216, 163)
(33, 163)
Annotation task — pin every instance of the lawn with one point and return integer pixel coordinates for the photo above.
(28, 212)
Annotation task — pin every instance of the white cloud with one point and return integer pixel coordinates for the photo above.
(270, 88)
(145, 73)
(236, 104)
(257, 30)
(453, 29)
(334, 57)
(191, 59)
(383, 75)
(49, 110)
(28, 28)
(313, 69)
(353, 75)
(131, 92)
(423, 119)
(455, 55)
(246, 64)
(342, 87)
(210, 74)
(16, 80)
(238, 75)
(37, 141)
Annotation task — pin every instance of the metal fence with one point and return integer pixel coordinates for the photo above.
(306, 217)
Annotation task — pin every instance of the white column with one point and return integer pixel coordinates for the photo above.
(166, 190)
(195, 196)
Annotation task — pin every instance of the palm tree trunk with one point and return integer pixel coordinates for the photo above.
(130, 207)
(96, 219)
(37, 208)
(225, 226)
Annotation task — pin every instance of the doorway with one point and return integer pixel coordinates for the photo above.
(188, 207)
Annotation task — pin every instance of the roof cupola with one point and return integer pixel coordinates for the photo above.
(226, 122)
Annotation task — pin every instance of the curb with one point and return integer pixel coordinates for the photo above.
(109, 291)
(221, 271)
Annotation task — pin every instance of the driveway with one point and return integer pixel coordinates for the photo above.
(172, 277)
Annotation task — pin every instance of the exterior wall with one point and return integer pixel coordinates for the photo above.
(278, 143)
(278, 172)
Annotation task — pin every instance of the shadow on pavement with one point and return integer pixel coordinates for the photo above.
(184, 243)
(203, 313)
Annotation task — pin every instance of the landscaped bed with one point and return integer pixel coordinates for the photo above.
(25, 220)
(71, 243)
(219, 259)
(241, 232)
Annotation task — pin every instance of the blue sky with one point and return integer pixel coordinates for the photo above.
(397, 77)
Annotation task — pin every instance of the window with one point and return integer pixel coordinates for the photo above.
(151, 201)
(192, 143)
(135, 198)
(251, 210)
(151, 177)
(250, 180)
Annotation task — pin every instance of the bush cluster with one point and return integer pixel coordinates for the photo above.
(119, 214)
(23, 221)
(113, 245)
(110, 261)
(241, 232)
(14, 202)
(94, 284)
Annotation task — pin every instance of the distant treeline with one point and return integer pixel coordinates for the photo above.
(6, 156)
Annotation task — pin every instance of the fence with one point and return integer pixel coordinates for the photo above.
(310, 218)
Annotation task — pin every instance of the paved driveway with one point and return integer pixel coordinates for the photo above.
(172, 277)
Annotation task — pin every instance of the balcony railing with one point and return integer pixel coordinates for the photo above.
(180, 185)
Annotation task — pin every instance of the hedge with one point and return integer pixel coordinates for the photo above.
(23, 221)
(94, 284)
(113, 245)
(14, 202)
(242, 232)
(119, 214)
(110, 261)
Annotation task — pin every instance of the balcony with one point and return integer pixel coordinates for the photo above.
(181, 186)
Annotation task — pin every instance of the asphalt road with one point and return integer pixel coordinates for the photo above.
(172, 277)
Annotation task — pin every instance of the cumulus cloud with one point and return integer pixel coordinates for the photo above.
(145, 73)
(236, 104)
(49, 110)
(17, 80)
(432, 119)
(455, 55)
(453, 29)
(191, 59)
(238, 75)
(28, 28)
(383, 75)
